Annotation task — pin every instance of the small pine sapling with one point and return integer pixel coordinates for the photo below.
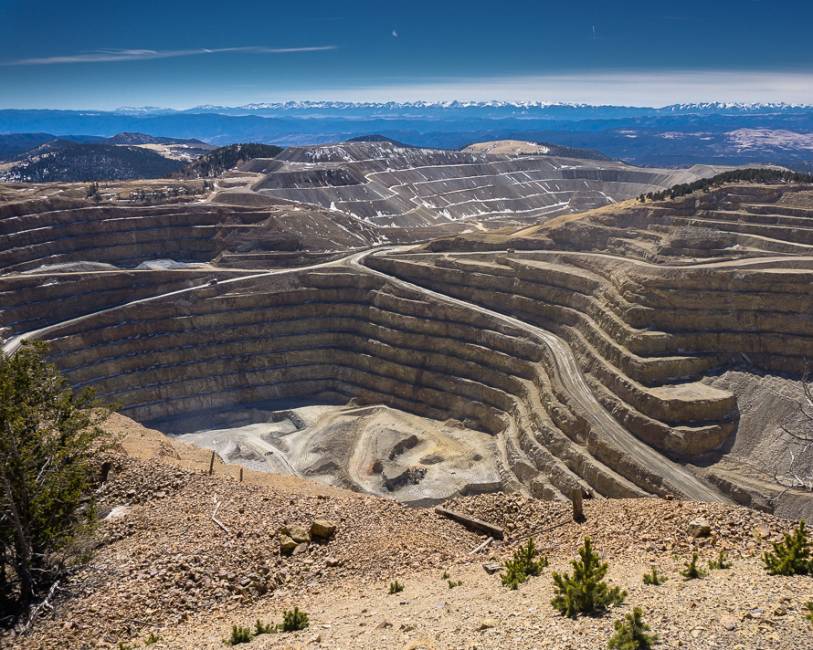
(720, 563)
(523, 565)
(396, 587)
(631, 633)
(654, 578)
(585, 592)
(239, 635)
(791, 556)
(294, 620)
(692, 571)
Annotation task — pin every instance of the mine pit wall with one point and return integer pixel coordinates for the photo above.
(31, 302)
(336, 336)
(640, 332)
(124, 236)
(754, 218)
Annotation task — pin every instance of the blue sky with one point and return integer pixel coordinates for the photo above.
(104, 54)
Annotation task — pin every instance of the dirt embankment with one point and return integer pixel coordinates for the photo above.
(164, 566)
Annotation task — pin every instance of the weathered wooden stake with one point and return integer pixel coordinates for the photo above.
(212, 464)
(241, 474)
(578, 506)
(471, 523)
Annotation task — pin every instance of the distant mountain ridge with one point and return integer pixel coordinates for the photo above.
(67, 161)
(223, 159)
(688, 108)
(719, 133)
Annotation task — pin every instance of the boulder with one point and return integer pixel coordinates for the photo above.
(492, 567)
(286, 545)
(297, 533)
(323, 529)
(699, 528)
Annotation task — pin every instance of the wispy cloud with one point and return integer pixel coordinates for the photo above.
(112, 56)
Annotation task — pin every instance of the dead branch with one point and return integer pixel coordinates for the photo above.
(480, 547)
(217, 521)
(45, 603)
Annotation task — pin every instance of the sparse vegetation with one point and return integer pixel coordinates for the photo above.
(396, 587)
(444, 575)
(50, 436)
(654, 578)
(219, 160)
(809, 612)
(263, 628)
(523, 565)
(239, 635)
(791, 556)
(751, 175)
(294, 620)
(454, 583)
(691, 570)
(585, 592)
(631, 633)
(720, 563)
(152, 639)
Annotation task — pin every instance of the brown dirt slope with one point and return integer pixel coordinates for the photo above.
(161, 565)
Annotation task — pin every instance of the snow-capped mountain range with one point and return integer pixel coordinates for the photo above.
(309, 105)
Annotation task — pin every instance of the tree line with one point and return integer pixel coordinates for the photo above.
(762, 175)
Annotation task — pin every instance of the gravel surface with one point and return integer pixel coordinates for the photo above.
(164, 566)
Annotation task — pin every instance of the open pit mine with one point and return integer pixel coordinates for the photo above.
(422, 323)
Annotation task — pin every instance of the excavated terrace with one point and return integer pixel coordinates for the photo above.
(592, 355)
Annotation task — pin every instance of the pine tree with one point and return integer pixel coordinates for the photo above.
(239, 635)
(294, 620)
(791, 556)
(49, 436)
(721, 562)
(631, 633)
(585, 592)
(654, 578)
(692, 571)
(523, 565)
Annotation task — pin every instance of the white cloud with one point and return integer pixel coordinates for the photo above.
(630, 88)
(109, 56)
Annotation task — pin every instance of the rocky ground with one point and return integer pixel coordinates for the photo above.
(184, 555)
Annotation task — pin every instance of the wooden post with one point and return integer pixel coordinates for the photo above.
(578, 506)
(212, 464)
(241, 474)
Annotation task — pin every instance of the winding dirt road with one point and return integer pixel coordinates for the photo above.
(675, 477)
(604, 427)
